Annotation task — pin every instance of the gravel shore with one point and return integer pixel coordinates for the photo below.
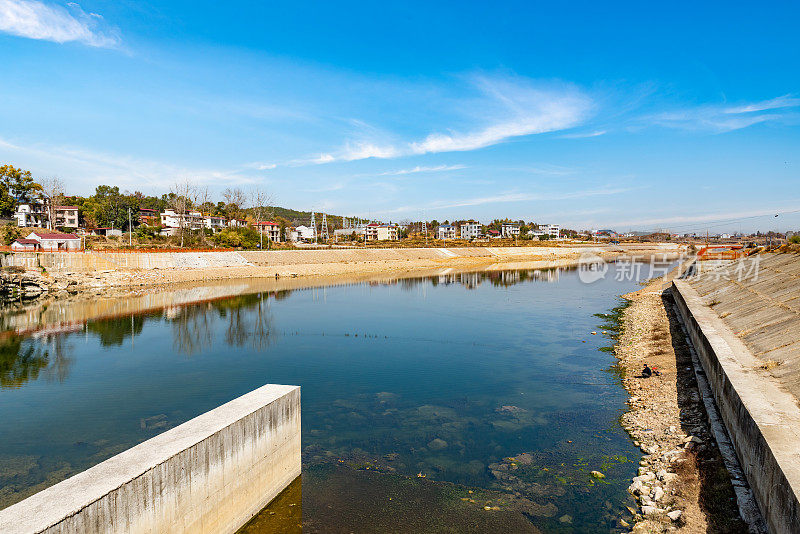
(683, 485)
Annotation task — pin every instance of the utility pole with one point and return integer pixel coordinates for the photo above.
(130, 230)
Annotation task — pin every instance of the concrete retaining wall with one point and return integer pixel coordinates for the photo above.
(762, 419)
(208, 475)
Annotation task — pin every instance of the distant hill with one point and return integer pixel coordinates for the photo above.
(304, 217)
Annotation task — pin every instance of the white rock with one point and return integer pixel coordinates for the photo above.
(675, 515)
(658, 493)
(636, 488)
(651, 510)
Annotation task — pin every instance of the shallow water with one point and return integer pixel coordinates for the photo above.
(423, 389)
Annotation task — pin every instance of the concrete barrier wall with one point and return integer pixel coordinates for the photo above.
(762, 419)
(208, 475)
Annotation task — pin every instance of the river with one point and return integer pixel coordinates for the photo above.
(477, 401)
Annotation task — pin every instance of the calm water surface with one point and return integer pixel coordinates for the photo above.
(464, 402)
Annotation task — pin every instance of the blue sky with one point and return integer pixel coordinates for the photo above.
(630, 116)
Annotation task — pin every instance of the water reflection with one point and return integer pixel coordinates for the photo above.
(24, 359)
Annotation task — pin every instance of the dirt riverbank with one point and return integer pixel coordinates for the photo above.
(683, 484)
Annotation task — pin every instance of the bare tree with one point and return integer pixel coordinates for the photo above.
(53, 196)
(182, 195)
(235, 202)
(262, 208)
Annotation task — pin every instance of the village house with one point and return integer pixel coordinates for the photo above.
(214, 223)
(24, 245)
(550, 230)
(148, 217)
(493, 234)
(106, 231)
(31, 215)
(509, 230)
(270, 229)
(170, 220)
(446, 231)
(66, 216)
(471, 230)
(47, 241)
(381, 232)
(237, 223)
(303, 234)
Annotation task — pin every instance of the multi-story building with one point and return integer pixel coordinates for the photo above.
(214, 223)
(66, 216)
(471, 230)
(447, 231)
(31, 215)
(550, 230)
(148, 217)
(509, 230)
(237, 223)
(193, 220)
(270, 229)
(381, 232)
(553, 230)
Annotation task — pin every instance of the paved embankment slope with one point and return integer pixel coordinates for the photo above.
(98, 269)
(745, 331)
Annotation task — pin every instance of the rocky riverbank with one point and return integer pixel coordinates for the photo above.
(682, 483)
(23, 285)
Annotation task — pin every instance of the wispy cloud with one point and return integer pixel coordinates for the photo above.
(51, 22)
(726, 118)
(508, 108)
(583, 135)
(418, 168)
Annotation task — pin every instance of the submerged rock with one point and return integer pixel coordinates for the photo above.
(437, 444)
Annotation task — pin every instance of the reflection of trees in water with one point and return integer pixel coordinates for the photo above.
(252, 325)
(114, 331)
(249, 322)
(192, 329)
(472, 279)
(22, 360)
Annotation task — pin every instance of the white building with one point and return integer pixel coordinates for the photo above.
(447, 231)
(381, 232)
(237, 223)
(303, 233)
(214, 223)
(55, 241)
(471, 230)
(551, 230)
(509, 230)
(31, 215)
(193, 220)
(270, 229)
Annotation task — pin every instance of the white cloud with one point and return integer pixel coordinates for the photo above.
(583, 135)
(51, 22)
(721, 119)
(418, 168)
(507, 108)
(780, 102)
